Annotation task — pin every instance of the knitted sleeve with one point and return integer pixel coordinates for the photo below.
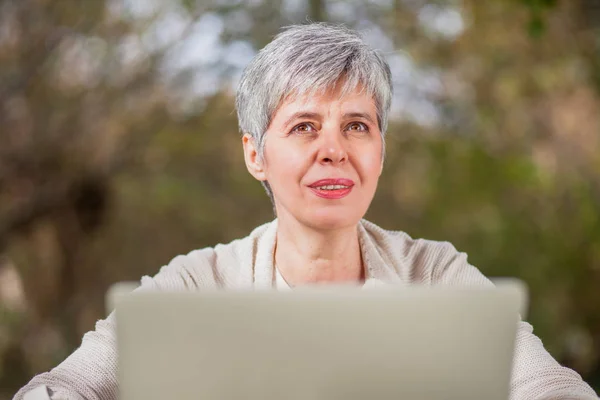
(91, 371)
(536, 375)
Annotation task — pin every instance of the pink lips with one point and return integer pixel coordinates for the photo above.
(316, 187)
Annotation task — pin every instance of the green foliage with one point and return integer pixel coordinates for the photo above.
(537, 10)
(508, 174)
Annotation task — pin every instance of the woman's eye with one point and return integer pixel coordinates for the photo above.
(357, 127)
(303, 128)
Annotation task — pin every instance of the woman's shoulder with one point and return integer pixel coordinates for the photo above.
(404, 245)
(420, 260)
(224, 265)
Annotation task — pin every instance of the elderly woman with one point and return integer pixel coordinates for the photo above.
(313, 108)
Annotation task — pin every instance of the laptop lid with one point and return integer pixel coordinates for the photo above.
(319, 343)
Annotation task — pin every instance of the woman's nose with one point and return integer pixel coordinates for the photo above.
(332, 148)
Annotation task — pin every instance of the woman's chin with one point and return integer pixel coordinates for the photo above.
(328, 220)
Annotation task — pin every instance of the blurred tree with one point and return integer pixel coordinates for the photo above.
(76, 107)
(317, 10)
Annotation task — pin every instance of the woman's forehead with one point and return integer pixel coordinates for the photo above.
(355, 98)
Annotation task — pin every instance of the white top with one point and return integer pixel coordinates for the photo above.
(280, 282)
(389, 257)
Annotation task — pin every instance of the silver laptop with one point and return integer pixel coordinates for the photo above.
(319, 343)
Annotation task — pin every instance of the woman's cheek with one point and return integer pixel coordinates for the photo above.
(370, 162)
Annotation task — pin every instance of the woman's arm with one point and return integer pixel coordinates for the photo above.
(91, 371)
(88, 373)
(536, 374)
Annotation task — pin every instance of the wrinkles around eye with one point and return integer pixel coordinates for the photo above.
(303, 128)
(306, 127)
(361, 127)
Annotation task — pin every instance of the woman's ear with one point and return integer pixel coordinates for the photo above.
(254, 163)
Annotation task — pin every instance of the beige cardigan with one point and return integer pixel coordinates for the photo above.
(394, 257)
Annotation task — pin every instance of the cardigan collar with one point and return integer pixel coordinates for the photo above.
(377, 272)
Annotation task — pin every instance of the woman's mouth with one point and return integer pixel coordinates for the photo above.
(332, 188)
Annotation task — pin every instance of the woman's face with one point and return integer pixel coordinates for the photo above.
(322, 159)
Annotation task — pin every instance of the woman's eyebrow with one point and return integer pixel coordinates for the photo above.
(359, 115)
(303, 114)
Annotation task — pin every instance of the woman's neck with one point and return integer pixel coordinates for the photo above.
(304, 255)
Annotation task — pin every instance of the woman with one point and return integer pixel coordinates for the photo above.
(312, 107)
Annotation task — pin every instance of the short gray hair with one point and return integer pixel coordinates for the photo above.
(304, 59)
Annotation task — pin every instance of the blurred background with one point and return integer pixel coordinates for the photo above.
(119, 149)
